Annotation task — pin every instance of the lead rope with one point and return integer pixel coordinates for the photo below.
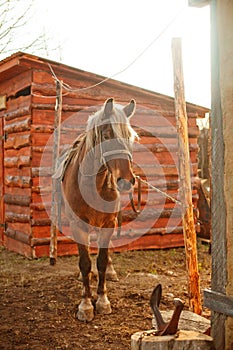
(161, 192)
(138, 210)
(153, 188)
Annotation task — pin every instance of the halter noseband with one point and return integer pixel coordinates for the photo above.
(115, 152)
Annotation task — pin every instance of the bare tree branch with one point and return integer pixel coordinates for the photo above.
(16, 19)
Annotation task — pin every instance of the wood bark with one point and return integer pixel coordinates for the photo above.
(55, 194)
(185, 181)
(184, 340)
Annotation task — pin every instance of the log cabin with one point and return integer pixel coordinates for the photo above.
(27, 107)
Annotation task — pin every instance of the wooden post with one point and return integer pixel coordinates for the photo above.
(185, 180)
(54, 204)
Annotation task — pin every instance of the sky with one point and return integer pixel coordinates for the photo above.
(133, 37)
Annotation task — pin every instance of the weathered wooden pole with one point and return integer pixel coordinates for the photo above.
(56, 144)
(185, 180)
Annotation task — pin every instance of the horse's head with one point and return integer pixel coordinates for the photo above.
(115, 138)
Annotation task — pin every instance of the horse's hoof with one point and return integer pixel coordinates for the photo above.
(103, 305)
(85, 311)
(111, 276)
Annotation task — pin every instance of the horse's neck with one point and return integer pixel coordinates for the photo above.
(90, 172)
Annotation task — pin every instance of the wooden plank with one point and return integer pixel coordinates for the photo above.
(18, 125)
(14, 217)
(226, 50)
(46, 241)
(145, 242)
(218, 302)
(18, 181)
(185, 179)
(16, 83)
(17, 235)
(40, 217)
(10, 153)
(16, 172)
(18, 161)
(17, 200)
(18, 107)
(17, 141)
(42, 128)
(218, 204)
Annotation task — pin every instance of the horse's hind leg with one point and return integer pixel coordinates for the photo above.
(86, 309)
(111, 274)
(103, 304)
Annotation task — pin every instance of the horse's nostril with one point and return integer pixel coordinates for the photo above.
(120, 184)
(123, 185)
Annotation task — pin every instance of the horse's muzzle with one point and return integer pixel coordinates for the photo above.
(124, 185)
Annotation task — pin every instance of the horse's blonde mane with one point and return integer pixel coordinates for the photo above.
(120, 124)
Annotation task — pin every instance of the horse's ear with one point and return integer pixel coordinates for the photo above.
(108, 107)
(130, 109)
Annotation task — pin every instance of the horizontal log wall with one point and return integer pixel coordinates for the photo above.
(17, 163)
(157, 132)
(29, 125)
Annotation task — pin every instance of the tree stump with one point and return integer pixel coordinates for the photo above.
(183, 340)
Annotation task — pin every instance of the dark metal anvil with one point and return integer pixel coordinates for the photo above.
(165, 328)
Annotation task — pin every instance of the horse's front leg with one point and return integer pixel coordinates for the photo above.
(85, 309)
(103, 305)
(80, 234)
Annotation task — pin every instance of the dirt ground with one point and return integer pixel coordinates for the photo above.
(38, 302)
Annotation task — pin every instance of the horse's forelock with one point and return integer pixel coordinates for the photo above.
(120, 125)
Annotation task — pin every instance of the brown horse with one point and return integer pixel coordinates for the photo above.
(99, 169)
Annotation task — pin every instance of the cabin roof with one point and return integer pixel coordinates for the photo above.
(21, 62)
